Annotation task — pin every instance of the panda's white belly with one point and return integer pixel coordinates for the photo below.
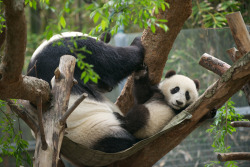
(159, 115)
(91, 121)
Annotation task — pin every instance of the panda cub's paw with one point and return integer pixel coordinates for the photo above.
(141, 72)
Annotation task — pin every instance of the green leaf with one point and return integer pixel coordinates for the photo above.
(62, 22)
(86, 79)
(163, 6)
(96, 17)
(103, 25)
(92, 14)
(83, 74)
(152, 28)
(156, 10)
(162, 20)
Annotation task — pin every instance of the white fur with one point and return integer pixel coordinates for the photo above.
(159, 115)
(91, 121)
(185, 84)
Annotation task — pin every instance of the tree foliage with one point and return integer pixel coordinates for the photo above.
(12, 143)
(221, 128)
(108, 16)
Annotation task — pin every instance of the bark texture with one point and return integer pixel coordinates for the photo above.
(157, 46)
(242, 40)
(213, 64)
(12, 83)
(240, 124)
(53, 130)
(239, 32)
(233, 156)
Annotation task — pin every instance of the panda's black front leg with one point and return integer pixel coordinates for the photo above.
(142, 88)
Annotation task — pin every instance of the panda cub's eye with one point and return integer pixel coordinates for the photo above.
(187, 95)
(175, 90)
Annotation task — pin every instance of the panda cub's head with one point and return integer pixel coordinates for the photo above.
(179, 90)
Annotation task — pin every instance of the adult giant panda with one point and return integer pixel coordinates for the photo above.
(156, 105)
(94, 123)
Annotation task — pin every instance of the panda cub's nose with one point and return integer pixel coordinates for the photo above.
(179, 102)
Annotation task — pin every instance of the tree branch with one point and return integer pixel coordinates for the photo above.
(239, 32)
(157, 47)
(234, 54)
(240, 124)
(233, 156)
(242, 39)
(72, 108)
(22, 112)
(12, 83)
(26, 89)
(40, 121)
(213, 64)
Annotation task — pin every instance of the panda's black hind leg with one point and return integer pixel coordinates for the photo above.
(113, 144)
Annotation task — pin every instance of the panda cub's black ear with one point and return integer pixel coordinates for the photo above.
(105, 37)
(197, 83)
(170, 73)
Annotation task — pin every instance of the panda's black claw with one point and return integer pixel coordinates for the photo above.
(141, 72)
(142, 66)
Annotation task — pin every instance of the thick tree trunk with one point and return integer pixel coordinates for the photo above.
(158, 46)
(12, 83)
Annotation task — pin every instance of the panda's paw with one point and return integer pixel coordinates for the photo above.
(141, 72)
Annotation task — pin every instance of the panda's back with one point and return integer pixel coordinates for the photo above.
(93, 121)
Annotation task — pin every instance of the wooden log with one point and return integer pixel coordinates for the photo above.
(240, 124)
(233, 156)
(213, 64)
(54, 131)
(234, 54)
(239, 32)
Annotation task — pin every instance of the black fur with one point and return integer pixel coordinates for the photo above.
(105, 37)
(197, 83)
(142, 89)
(111, 63)
(115, 144)
(170, 73)
(136, 118)
(144, 92)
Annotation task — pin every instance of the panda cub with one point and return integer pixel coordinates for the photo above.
(155, 106)
(95, 122)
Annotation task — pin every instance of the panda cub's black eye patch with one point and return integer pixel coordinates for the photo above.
(187, 95)
(175, 90)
